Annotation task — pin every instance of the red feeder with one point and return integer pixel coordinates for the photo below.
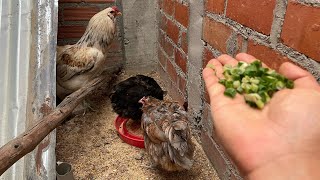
(125, 135)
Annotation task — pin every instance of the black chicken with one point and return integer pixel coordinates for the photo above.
(125, 95)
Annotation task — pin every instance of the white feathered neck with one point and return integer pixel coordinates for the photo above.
(100, 31)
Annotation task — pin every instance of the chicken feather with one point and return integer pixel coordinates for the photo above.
(79, 63)
(125, 95)
(167, 135)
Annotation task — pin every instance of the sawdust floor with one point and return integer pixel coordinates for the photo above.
(91, 145)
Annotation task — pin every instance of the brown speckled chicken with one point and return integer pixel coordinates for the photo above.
(79, 63)
(167, 135)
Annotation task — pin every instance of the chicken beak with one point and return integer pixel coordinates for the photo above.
(119, 13)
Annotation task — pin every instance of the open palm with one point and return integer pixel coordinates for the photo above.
(288, 125)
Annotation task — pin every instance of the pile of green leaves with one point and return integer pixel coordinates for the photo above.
(256, 83)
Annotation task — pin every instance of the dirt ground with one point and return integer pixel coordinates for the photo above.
(90, 143)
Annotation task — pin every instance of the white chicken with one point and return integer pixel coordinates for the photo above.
(79, 63)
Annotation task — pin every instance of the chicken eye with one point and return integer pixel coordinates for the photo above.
(112, 12)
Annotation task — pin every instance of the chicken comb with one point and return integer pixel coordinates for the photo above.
(115, 8)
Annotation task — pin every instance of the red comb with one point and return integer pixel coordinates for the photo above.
(115, 8)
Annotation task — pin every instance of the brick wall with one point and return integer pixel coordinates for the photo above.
(275, 31)
(190, 33)
(173, 48)
(74, 16)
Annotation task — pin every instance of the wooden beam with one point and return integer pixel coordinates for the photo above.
(28, 141)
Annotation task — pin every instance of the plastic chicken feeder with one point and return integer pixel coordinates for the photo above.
(125, 135)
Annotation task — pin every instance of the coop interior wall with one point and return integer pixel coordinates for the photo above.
(140, 34)
(274, 31)
(178, 37)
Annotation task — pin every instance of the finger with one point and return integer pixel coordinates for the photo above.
(300, 77)
(226, 59)
(216, 91)
(292, 71)
(209, 77)
(216, 66)
(247, 58)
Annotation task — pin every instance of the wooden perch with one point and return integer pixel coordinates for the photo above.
(28, 141)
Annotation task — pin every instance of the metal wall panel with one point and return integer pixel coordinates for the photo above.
(27, 79)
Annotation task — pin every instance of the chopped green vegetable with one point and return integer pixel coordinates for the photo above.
(236, 84)
(255, 82)
(254, 98)
(231, 92)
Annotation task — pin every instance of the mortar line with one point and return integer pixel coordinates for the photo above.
(225, 8)
(312, 3)
(181, 27)
(278, 19)
(177, 68)
(173, 44)
(179, 72)
(310, 64)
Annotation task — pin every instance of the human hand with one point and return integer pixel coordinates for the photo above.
(286, 130)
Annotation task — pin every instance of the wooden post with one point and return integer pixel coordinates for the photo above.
(28, 141)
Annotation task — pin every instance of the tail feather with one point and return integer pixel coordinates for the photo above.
(179, 146)
(178, 135)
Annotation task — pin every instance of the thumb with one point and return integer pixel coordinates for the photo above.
(301, 78)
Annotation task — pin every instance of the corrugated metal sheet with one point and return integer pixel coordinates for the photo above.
(27, 79)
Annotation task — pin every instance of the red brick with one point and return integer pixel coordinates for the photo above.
(257, 14)
(215, 6)
(79, 13)
(99, 1)
(301, 29)
(71, 31)
(173, 31)
(182, 85)
(88, 1)
(213, 154)
(60, 16)
(115, 46)
(69, 1)
(160, 4)
(172, 72)
(168, 6)
(181, 60)
(182, 14)
(163, 22)
(216, 34)
(171, 87)
(207, 56)
(162, 58)
(184, 42)
(270, 57)
(208, 122)
(166, 45)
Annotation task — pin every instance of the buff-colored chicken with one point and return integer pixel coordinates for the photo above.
(79, 63)
(167, 136)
